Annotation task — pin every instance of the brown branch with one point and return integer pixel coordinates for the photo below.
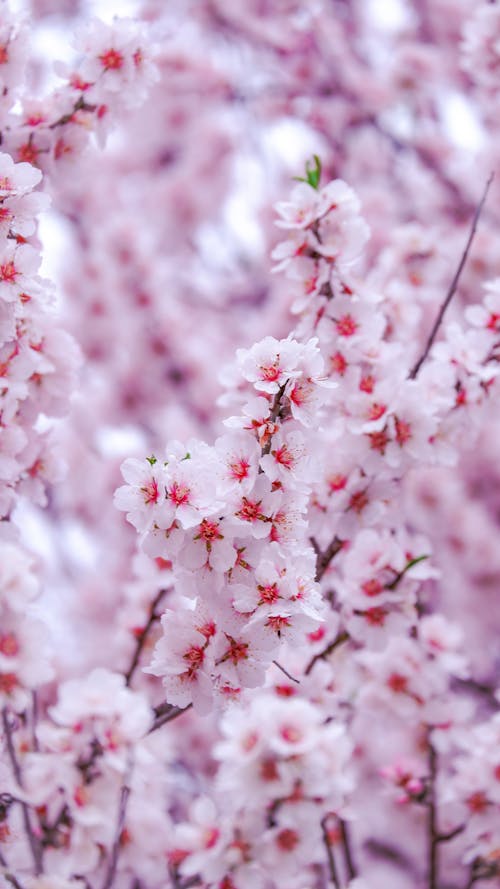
(141, 639)
(79, 105)
(289, 675)
(33, 843)
(339, 640)
(166, 713)
(323, 559)
(275, 412)
(346, 845)
(432, 828)
(446, 837)
(11, 878)
(115, 851)
(454, 284)
(334, 877)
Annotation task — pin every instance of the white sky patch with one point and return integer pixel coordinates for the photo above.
(242, 204)
(292, 141)
(55, 235)
(117, 441)
(388, 14)
(108, 9)
(462, 125)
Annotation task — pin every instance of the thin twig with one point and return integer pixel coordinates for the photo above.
(141, 639)
(33, 843)
(432, 828)
(332, 867)
(323, 559)
(289, 675)
(446, 837)
(454, 284)
(12, 879)
(339, 640)
(167, 715)
(115, 851)
(346, 845)
(34, 720)
(275, 412)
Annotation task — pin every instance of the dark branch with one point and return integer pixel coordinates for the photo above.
(339, 640)
(454, 284)
(432, 828)
(141, 639)
(115, 851)
(289, 675)
(166, 713)
(323, 559)
(346, 844)
(334, 877)
(33, 843)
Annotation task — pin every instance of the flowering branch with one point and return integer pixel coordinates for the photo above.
(33, 843)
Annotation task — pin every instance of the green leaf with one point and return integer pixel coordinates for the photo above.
(410, 564)
(313, 173)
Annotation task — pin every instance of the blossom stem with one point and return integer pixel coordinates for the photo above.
(34, 846)
(141, 639)
(275, 412)
(11, 878)
(346, 845)
(454, 284)
(433, 833)
(166, 713)
(289, 675)
(323, 559)
(115, 851)
(332, 867)
(339, 640)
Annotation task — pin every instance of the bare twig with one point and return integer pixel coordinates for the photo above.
(36, 851)
(11, 878)
(346, 845)
(289, 675)
(446, 837)
(323, 559)
(339, 640)
(115, 851)
(454, 284)
(166, 713)
(432, 828)
(332, 867)
(141, 638)
(275, 412)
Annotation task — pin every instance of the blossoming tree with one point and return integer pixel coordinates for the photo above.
(279, 666)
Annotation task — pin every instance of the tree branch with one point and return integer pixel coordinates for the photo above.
(141, 639)
(334, 877)
(339, 640)
(115, 851)
(166, 713)
(454, 284)
(323, 559)
(346, 844)
(36, 851)
(432, 829)
(289, 675)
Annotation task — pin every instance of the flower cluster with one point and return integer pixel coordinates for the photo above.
(231, 520)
